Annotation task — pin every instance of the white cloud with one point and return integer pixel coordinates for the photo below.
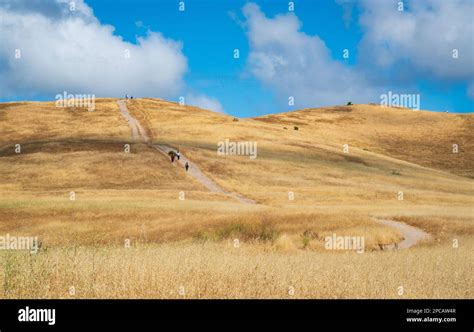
(295, 64)
(419, 40)
(204, 102)
(72, 51)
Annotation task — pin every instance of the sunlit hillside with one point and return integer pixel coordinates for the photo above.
(317, 172)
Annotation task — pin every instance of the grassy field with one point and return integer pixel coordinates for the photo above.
(181, 235)
(192, 270)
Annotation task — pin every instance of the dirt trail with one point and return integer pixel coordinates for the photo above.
(411, 235)
(196, 173)
(138, 133)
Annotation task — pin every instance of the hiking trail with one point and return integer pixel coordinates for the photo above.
(411, 235)
(139, 134)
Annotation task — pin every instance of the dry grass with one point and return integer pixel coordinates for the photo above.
(223, 271)
(39, 121)
(95, 165)
(110, 217)
(189, 242)
(442, 227)
(424, 138)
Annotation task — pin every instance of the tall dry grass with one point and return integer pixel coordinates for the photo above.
(191, 270)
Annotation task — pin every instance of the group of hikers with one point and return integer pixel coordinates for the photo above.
(177, 155)
(128, 97)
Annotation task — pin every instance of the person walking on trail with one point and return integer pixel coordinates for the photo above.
(186, 166)
(178, 155)
(172, 154)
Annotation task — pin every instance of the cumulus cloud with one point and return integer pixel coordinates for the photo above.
(298, 65)
(204, 102)
(64, 50)
(52, 9)
(420, 40)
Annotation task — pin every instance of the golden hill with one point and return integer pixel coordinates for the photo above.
(305, 185)
(421, 137)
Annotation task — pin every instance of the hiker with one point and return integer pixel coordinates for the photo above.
(186, 166)
(178, 154)
(172, 154)
(126, 96)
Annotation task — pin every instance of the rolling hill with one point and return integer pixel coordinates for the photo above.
(317, 172)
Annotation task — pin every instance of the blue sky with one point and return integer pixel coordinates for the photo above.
(210, 34)
(202, 66)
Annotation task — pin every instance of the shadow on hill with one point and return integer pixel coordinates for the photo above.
(67, 145)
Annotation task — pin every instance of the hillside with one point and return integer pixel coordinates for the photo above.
(390, 150)
(304, 186)
(421, 137)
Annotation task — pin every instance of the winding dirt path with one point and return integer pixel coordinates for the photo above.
(138, 133)
(196, 173)
(411, 235)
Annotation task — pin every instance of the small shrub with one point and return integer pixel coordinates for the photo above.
(349, 103)
(309, 235)
(306, 240)
(267, 231)
(260, 230)
(295, 128)
(205, 236)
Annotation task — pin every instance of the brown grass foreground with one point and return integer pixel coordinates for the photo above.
(191, 270)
